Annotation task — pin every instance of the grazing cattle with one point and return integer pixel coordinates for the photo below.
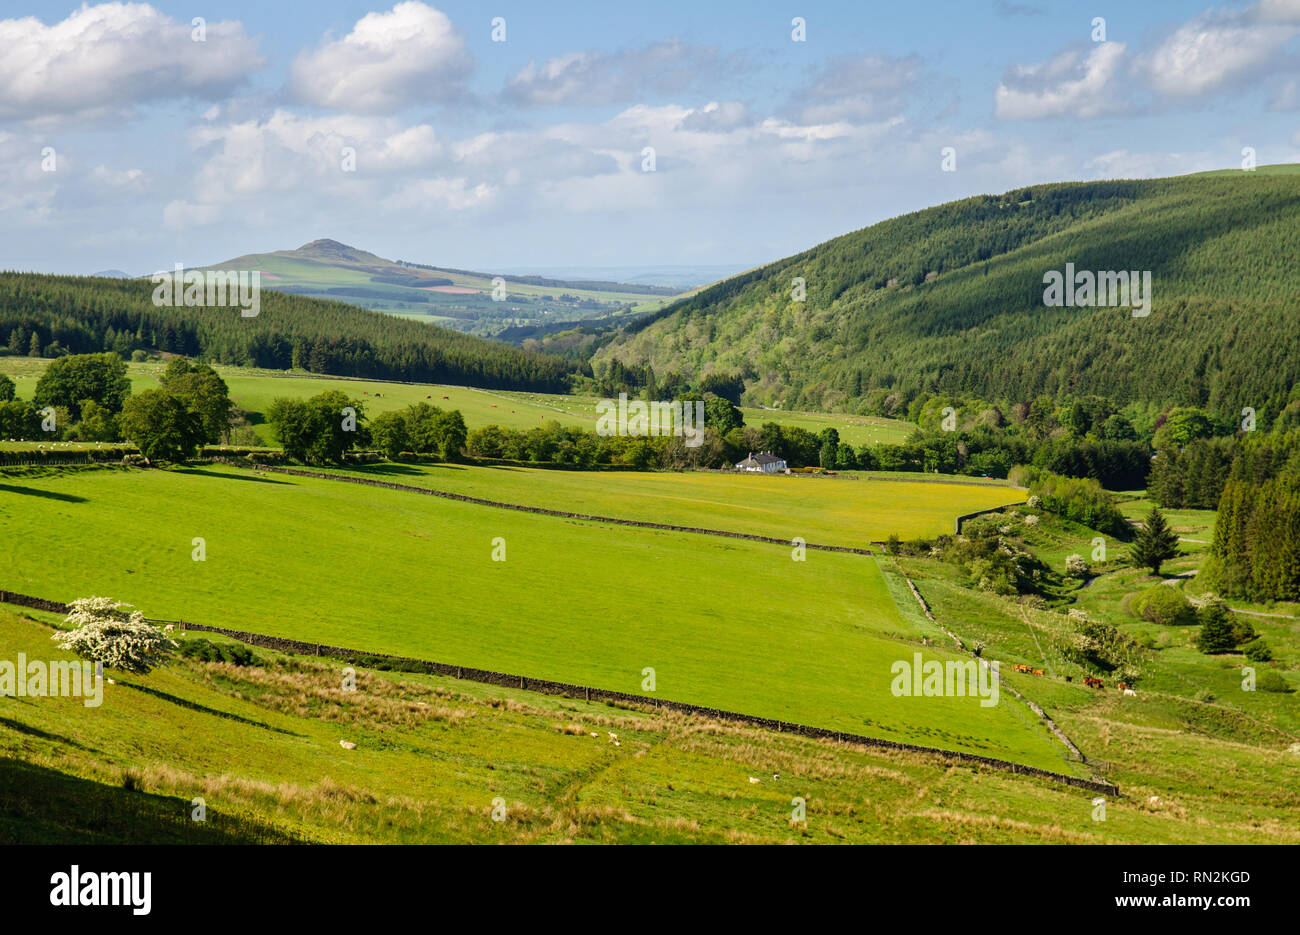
(1069, 678)
(446, 397)
(1038, 672)
(1093, 682)
(1122, 686)
(1028, 670)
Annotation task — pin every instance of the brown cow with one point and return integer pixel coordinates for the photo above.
(1093, 682)
(1038, 672)
(1122, 686)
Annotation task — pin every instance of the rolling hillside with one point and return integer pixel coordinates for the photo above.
(951, 299)
(77, 314)
(452, 298)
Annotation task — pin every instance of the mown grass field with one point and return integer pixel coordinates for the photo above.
(827, 511)
(726, 623)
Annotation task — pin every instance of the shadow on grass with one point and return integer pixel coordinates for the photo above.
(39, 734)
(204, 709)
(37, 492)
(396, 469)
(39, 805)
(250, 478)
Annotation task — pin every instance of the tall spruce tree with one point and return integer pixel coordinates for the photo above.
(1155, 543)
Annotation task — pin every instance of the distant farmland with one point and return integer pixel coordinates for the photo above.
(253, 390)
(822, 510)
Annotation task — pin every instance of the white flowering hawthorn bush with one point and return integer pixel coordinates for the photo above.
(1076, 566)
(101, 635)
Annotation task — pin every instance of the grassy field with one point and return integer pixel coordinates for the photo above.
(725, 623)
(855, 430)
(252, 390)
(261, 746)
(1197, 759)
(827, 511)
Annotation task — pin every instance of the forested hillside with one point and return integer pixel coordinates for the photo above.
(53, 315)
(950, 299)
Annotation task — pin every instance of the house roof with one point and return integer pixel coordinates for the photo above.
(763, 457)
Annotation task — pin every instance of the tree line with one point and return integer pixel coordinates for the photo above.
(52, 316)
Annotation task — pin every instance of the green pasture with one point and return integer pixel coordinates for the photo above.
(725, 623)
(823, 510)
(261, 745)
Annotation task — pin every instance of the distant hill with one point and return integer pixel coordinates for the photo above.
(951, 299)
(78, 314)
(454, 298)
(111, 274)
(673, 279)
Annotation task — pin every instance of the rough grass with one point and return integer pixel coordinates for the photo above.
(130, 770)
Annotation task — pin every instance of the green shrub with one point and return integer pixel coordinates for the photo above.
(207, 651)
(1163, 605)
(1272, 681)
(1258, 651)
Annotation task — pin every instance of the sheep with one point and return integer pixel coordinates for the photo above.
(753, 779)
(347, 745)
(169, 628)
(1130, 692)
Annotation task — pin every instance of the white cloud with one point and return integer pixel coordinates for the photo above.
(389, 61)
(1070, 85)
(1279, 11)
(594, 79)
(128, 180)
(103, 57)
(857, 90)
(1216, 51)
(1123, 164)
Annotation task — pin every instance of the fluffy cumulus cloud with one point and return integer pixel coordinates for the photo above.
(103, 57)
(1073, 84)
(593, 79)
(410, 54)
(1220, 50)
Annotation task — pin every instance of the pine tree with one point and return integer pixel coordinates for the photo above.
(34, 349)
(1155, 543)
(1216, 634)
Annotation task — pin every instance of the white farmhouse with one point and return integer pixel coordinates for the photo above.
(764, 462)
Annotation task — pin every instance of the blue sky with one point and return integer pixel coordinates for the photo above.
(529, 152)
